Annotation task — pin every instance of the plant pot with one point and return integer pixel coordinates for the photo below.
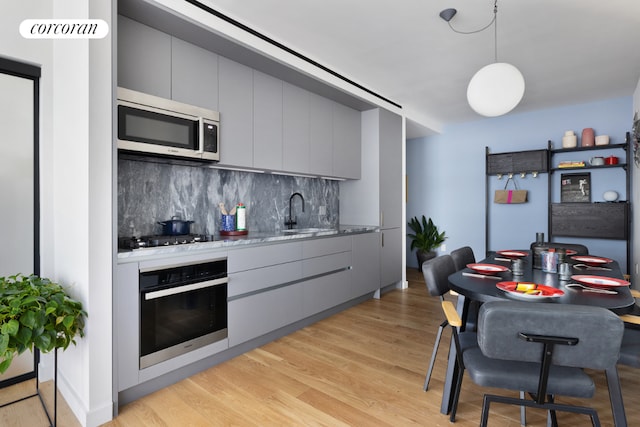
(424, 256)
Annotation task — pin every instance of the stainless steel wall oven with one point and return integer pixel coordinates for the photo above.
(182, 307)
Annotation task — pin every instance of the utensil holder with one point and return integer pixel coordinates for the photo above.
(228, 222)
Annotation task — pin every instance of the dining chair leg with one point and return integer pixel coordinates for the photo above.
(434, 354)
(484, 419)
(456, 395)
(523, 411)
(552, 418)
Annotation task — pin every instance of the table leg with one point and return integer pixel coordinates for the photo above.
(452, 366)
(615, 396)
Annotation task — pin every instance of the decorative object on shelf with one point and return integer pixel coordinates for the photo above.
(596, 161)
(569, 140)
(575, 187)
(510, 196)
(610, 196)
(602, 140)
(588, 138)
(611, 160)
(496, 88)
(425, 238)
(571, 164)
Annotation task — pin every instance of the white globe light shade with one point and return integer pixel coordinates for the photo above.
(495, 89)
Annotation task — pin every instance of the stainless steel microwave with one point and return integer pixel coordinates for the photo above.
(157, 126)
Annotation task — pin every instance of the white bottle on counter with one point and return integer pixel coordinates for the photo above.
(241, 217)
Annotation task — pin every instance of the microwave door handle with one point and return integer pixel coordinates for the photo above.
(200, 135)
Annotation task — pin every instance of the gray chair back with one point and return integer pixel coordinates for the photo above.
(580, 249)
(630, 349)
(463, 256)
(598, 330)
(436, 273)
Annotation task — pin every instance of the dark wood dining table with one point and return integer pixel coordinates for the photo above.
(484, 289)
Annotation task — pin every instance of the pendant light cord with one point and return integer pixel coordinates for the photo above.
(494, 19)
(495, 30)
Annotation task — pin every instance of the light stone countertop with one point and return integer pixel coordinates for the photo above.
(251, 239)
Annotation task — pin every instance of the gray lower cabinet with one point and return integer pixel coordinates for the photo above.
(292, 281)
(258, 314)
(144, 58)
(267, 122)
(236, 113)
(194, 75)
(390, 256)
(365, 276)
(126, 307)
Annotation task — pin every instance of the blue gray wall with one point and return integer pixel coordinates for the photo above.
(151, 192)
(446, 175)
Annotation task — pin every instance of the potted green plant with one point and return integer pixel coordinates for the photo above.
(35, 312)
(425, 238)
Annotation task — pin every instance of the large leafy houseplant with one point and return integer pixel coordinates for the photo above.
(35, 312)
(425, 238)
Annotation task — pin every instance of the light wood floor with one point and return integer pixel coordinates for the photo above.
(362, 367)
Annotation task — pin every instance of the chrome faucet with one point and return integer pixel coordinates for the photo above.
(292, 221)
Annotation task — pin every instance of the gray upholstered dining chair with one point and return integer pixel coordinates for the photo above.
(462, 256)
(436, 272)
(580, 249)
(630, 348)
(540, 348)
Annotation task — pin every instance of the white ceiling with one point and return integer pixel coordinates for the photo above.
(569, 51)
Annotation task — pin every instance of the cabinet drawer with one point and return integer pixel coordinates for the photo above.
(519, 161)
(326, 246)
(262, 256)
(325, 264)
(326, 292)
(256, 315)
(599, 220)
(261, 278)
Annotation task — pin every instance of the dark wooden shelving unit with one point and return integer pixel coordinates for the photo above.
(598, 220)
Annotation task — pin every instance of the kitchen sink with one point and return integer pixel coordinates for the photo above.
(317, 231)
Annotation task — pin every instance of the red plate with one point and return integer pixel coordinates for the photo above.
(600, 281)
(571, 252)
(512, 254)
(529, 290)
(591, 260)
(487, 268)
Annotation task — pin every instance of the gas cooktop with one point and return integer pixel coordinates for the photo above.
(131, 243)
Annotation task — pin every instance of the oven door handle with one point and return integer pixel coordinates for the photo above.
(186, 288)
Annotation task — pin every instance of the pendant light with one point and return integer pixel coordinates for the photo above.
(496, 88)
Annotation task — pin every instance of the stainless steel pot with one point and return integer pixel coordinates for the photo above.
(175, 226)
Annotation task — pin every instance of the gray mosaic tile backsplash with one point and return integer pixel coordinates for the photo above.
(151, 192)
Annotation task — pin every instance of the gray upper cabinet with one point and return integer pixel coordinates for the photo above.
(144, 58)
(390, 128)
(236, 113)
(295, 121)
(320, 135)
(346, 142)
(194, 75)
(267, 122)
